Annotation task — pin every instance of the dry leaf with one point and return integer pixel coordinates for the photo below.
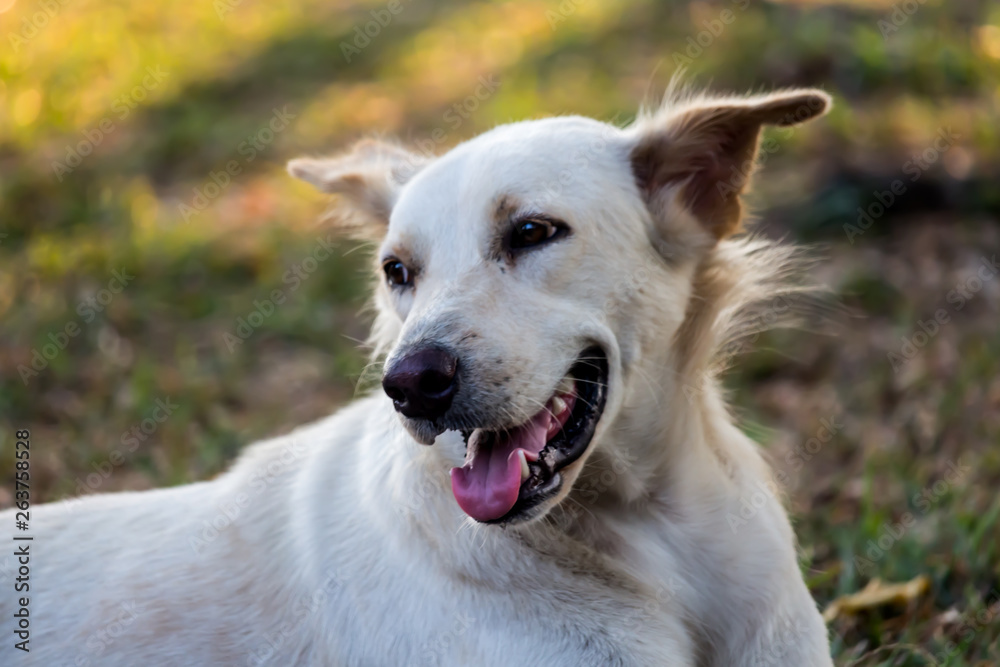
(877, 594)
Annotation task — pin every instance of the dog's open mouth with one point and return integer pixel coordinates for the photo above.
(506, 473)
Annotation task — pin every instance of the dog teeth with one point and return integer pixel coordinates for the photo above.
(565, 385)
(525, 472)
(558, 405)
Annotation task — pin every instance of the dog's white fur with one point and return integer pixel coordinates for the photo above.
(341, 543)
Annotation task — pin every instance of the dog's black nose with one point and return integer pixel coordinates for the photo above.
(422, 384)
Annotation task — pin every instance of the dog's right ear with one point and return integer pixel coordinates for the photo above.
(368, 178)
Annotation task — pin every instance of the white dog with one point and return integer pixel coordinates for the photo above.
(551, 475)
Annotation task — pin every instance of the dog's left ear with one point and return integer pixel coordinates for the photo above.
(368, 178)
(694, 158)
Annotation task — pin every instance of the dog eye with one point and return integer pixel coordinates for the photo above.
(396, 272)
(532, 232)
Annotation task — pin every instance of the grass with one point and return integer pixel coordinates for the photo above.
(173, 333)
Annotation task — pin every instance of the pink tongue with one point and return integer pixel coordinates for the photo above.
(486, 487)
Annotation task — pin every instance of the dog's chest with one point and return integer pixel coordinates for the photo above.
(491, 639)
(570, 621)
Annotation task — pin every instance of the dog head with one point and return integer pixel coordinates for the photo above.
(525, 273)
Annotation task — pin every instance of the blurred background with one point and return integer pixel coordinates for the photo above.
(146, 222)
